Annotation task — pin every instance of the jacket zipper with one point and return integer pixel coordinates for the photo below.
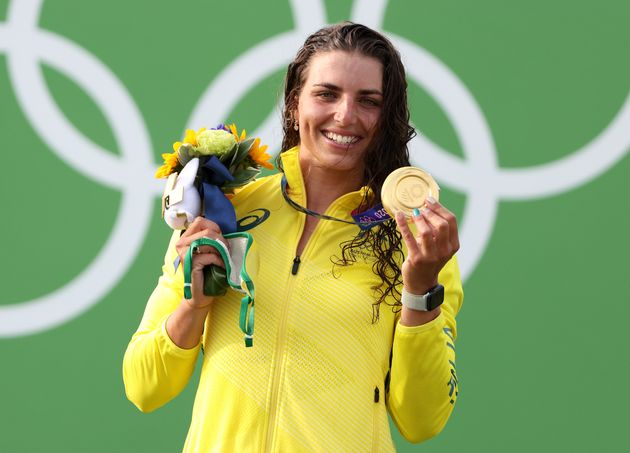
(281, 343)
(296, 265)
(375, 430)
(281, 346)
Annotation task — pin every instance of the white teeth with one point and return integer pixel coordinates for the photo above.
(342, 139)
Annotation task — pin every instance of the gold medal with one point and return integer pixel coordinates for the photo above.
(407, 188)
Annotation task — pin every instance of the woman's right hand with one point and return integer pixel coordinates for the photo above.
(205, 256)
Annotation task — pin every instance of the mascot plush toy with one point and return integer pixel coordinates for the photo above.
(182, 202)
(202, 170)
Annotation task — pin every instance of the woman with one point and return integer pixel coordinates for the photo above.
(335, 349)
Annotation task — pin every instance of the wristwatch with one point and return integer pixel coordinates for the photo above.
(426, 302)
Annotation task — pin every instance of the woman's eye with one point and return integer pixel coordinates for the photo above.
(326, 95)
(370, 102)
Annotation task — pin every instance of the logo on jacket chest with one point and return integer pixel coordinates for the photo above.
(252, 219)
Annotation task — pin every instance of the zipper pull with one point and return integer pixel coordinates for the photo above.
(296, 265)
(376, 394)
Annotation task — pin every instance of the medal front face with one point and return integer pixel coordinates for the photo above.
(407, 188)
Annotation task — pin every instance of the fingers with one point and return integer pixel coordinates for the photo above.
(424, 241)
(444, 224)
(207, 233)
(199, 262)
(439, 227)
(436, 238)
(201, 224)
(435, 241)
(201, 228)
(419, 268)
(405, 231)
(202, 260)
(426, 235)
(422, 247)
(198, 229)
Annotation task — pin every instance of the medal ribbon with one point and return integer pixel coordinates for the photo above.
(364, 220)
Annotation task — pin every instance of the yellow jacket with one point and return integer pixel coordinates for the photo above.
(315, 378)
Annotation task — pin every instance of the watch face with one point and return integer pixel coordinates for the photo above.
(435, 298)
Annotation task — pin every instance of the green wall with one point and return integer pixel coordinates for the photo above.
(524, 116)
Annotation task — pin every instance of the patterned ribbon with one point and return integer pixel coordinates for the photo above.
(364, 220)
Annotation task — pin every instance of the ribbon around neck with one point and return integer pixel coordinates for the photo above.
(373, 216)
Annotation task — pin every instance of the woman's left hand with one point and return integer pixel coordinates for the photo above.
(435, 243)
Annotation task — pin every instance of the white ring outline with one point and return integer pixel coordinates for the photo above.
(585, 164)
(25, 45)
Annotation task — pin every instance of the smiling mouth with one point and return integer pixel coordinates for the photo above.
(341, 139)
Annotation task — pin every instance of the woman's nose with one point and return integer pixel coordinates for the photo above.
(344, 113)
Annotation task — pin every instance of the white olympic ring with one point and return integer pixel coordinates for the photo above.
(25, 45)
(477, 174)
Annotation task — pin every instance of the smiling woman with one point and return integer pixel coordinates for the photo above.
(338, 114)
(329, 362)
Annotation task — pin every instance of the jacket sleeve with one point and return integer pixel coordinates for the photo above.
(423, 383)
(155, 369)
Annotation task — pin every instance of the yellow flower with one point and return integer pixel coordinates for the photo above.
(234, 131)
(170, 159)
(258, 154)
(170, 162)
(190, 138)
(163, 171)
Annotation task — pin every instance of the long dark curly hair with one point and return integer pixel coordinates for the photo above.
(387, 151)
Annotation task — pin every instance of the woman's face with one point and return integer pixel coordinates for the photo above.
(338, 109)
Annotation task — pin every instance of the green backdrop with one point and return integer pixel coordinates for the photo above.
(527, 128)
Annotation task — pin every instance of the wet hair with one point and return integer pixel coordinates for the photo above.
(386, 152)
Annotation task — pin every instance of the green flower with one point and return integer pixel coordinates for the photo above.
(215, 143)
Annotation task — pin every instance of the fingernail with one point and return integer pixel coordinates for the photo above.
(431, 200)
(416, 212)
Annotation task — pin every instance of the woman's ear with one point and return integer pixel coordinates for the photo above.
(295, 116)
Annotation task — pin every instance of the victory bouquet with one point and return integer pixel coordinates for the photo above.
(203, 171)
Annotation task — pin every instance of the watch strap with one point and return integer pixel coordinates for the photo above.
(425, 302)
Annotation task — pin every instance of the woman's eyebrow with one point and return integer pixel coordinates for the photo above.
(334, 87)
(329, 86)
